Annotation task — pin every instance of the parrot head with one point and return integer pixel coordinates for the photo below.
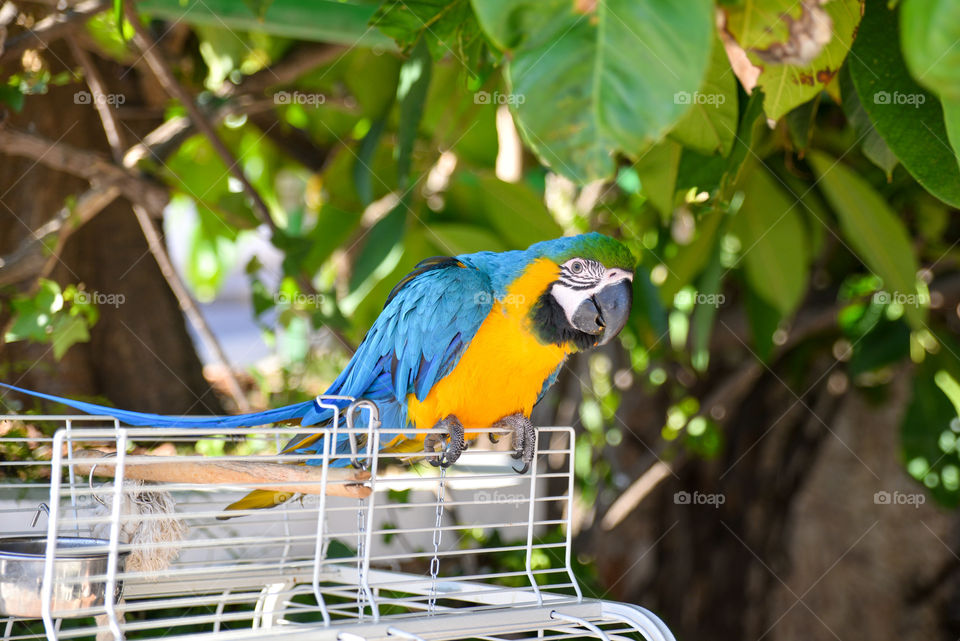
(589, 301)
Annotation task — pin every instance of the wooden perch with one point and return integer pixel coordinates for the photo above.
(274, 477)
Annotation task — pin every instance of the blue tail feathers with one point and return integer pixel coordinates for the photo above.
(287, 412)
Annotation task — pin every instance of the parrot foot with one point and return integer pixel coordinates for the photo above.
(524, 439)
(456, 442)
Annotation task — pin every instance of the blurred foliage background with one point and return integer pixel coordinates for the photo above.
(786, 174)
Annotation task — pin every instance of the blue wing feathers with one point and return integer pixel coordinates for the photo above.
(425, 327)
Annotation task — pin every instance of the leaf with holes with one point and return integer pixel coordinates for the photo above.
(779, 37)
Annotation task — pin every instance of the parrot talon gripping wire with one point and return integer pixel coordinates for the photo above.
(456, 442)
(524, 439)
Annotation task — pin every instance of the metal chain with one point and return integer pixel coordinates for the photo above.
(437, 532)
(361, 549)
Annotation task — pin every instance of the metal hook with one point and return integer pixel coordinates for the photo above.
(93, 492)
(373, 424)
(43, 507)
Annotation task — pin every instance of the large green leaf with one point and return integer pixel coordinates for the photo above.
(591, 81)
(762, 25)
(711, 124)
(456, 238)
(446, 26)
(873, 145)
(773, 241)
(317, 20)
(657, 170)
(908, 117)
(517, 212)
(929, 32)
(411, 92)
(873, 230)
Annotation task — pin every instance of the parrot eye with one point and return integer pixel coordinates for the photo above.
(576, 267)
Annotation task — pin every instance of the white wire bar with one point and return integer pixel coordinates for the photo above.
(368, 546)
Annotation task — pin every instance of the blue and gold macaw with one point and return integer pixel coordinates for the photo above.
(472, 341)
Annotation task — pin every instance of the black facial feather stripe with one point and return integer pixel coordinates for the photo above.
(552, 326)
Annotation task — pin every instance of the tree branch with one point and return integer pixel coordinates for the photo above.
(161, 70)
(85, 164)
(51, 28)
(28, 259)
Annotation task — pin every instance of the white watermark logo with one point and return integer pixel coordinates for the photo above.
(916, 499)
(698, 498)
(299, 300)
(900, 298)
(498, 98)
(686, 298)
(87, 98)
(697, 98)
(298, 98)
(83, 297)
(897, 98)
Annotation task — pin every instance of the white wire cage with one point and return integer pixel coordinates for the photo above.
(368, 545)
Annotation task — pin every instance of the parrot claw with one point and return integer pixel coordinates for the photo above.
(524, 439)
(456, 443)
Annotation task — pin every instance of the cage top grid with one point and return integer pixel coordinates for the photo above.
(400, 549)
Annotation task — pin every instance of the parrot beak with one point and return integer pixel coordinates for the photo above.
(605, 313)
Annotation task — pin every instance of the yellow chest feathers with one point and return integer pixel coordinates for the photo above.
(505, 366)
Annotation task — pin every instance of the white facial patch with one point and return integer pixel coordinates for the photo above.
(572, 288)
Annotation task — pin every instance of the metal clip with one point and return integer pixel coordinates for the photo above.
(43, 507)
(93, 469)
(352, 437)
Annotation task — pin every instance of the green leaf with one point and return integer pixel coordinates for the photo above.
(411, 93)
(773, 241)
(872, 229)
(764, 321)
(657, 169)
(222, 50)
(12, 97)
(908, 117)
(507, 203)
(455, 238)
(873, 146)
(444, 25)
(118, 15)
(345, 23)
(929, 32)
(258, 7)
(949, 386)
(711, 124)
(708, 302)
(801, 121)
(586, 85)
(380, 242)
(67, 331)
(362, 166)
(749, 125)
(760, 25)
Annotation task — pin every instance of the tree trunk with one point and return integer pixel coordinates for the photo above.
(140, 355)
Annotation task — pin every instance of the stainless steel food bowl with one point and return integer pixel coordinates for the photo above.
(79, 575)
